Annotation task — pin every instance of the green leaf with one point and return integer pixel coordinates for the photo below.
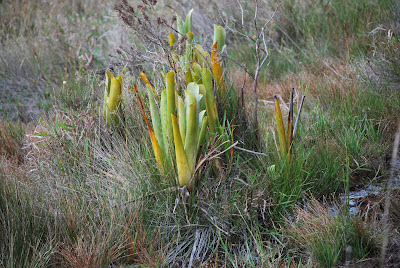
(155, 119)
(182, 118)
(180, 25)
(65, 126)
(164, 121)
(188, 22)
(203, 131)
(191, 136)
(170, 101)
(210, 100)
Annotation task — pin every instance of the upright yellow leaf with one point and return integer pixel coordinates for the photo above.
(280, 127)
(184, 174)
(115, 94)
(155, 119)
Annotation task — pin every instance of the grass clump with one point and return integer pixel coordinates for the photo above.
(33, 246)
(331, 234)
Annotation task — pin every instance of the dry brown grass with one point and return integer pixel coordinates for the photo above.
(329, 76)
(10, 145)
(144, 250)
(90, 252)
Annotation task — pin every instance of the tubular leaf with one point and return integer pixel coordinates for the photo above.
(192, 136)
(182, 118)
(170, 100)
(184, 174)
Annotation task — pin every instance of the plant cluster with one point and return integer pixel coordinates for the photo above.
(186, 118)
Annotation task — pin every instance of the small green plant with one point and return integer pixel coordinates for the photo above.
(112, 108)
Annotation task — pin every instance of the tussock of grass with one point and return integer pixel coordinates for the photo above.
(331, 234)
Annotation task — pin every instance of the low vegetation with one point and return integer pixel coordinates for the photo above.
(160, 141)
